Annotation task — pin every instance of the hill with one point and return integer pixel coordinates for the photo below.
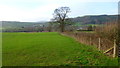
(94, 19)
(40, 26)
(9, 25)
(16, 24)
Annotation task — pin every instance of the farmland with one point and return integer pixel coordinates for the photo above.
(50, 49)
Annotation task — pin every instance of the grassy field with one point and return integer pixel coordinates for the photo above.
(50, 49)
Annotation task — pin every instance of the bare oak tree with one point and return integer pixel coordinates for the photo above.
(60, 14)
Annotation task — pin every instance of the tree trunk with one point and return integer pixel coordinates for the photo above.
(62, 27)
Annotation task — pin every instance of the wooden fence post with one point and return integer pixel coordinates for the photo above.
(114, 52)
(99, 46)
(90, 41)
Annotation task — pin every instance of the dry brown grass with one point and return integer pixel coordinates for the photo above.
(91, 39)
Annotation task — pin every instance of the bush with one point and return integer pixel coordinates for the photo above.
(109, 31)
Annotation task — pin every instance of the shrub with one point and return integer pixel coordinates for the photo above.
(109, 31)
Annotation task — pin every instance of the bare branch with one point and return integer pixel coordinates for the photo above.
(60, 15)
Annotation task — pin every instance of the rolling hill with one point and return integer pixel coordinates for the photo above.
(79, 21)
(94, 19)
(11, 25)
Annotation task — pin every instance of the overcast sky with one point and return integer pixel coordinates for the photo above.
(42, 10)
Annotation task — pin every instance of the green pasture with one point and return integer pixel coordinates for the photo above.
(49, 49)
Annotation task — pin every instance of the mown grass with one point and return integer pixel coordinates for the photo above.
(50, 49)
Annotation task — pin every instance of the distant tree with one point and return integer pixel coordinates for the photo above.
(69, 25)
(90, 28)
(60, 15)
(22, 27)
(49, 27)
